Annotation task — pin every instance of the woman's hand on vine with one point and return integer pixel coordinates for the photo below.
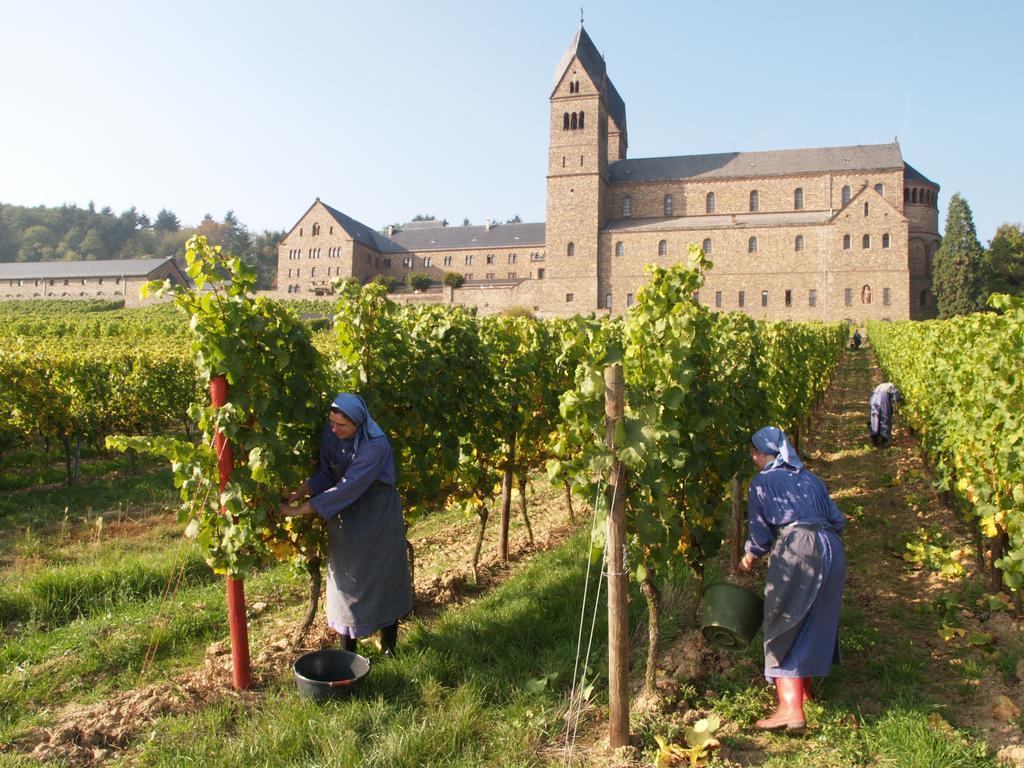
(747, 562)
(302, 509)
(298, 494)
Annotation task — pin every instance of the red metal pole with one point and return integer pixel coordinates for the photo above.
(241, 668)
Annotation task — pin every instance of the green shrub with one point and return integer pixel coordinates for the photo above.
(454, 279)
(418, 281)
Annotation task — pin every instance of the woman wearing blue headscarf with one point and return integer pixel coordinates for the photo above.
(793, 519)
(353, 490)
(884, 400)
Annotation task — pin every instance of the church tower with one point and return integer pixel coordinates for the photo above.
(587, 131)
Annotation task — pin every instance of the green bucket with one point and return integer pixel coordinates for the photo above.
(732, 615)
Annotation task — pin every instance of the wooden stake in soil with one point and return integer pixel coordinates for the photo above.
(737, 523)
(240, 665)
(618, 582)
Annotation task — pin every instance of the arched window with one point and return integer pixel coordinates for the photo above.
(581, 121)
(573, 122)
(865, 294)
(706, 245)
(885, 240)
(662, 247)
(880, 189)
(570, 249)
(752, 245)
(753, 200)
(709, 203)
(798, 198)
(565, 122)
(865, 207)
(906, 194)
(846, 194)
(627, 206)
(846, 242)
(316, 230)
(668, 205)
(798, 244)
(620, 249)
(865, 242)
(913, 195)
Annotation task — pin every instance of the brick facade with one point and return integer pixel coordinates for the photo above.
(819, 234)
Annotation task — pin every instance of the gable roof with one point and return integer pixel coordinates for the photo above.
(779, 162)
(360, 232)
(449, 238)
(583, 48)
(84, 269)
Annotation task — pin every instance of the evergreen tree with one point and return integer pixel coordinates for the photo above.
(1005, 260)
(166, 222)
(959, 281)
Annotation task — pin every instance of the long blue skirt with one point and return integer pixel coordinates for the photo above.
(816, 645)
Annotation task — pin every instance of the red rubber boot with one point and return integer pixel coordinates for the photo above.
(789, 715)
(808, 696)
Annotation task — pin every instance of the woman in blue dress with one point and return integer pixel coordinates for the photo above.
(368, 582)
(793, 519)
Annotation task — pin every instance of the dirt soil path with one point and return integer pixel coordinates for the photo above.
(900, 606)
(914, 593)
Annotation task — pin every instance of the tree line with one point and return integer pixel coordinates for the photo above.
(965, 273)
(71, 233)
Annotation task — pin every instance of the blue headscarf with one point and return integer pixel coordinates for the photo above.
(773, 441)
(355, 410)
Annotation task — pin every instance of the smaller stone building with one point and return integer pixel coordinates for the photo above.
(113, 279)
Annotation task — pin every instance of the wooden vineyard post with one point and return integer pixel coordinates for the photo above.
(240, 665)
(737, 523)
(618, 579)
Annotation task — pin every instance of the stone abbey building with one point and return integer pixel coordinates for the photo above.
(805, 234)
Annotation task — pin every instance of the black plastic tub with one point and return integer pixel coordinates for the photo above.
(329, 674)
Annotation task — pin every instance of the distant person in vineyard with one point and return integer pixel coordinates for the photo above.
(884, 400)
(353, 490)
(855, 342)
(793, 519)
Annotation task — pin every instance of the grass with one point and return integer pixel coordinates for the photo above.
(457, 694)
(482, 684)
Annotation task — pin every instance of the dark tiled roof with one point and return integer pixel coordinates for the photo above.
(780, 162)
(593, 63)
(448, 238)
(360, 232)
(80, 269)
(910, 173)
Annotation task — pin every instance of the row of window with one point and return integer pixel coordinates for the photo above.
(315, 230)
(493, 276)
(53, 281)
(707, 245)
(468, 259)
(922, 196)
(331, 271)
(315, 253)
(54, 295)
(754, 201)
(741, 298)
(572, 122)
(812, 297)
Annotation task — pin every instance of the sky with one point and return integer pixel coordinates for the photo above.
(388, 109)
